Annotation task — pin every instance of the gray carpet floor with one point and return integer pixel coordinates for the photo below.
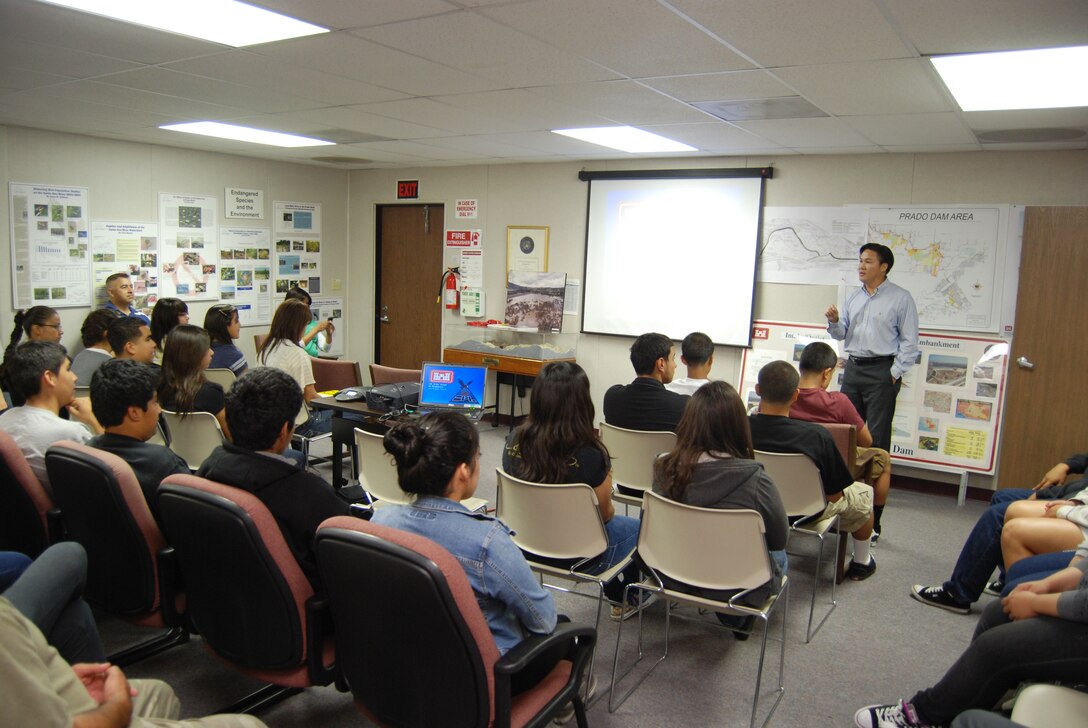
(878, 645)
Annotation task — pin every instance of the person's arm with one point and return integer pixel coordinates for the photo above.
(309, 393)
(221, 418)
(837, 323)
(865, 438)
(770, 506)
(906, 353)
(1054, 476)
(604, 498)
(115, 710)
(508, 578)
(80, 409)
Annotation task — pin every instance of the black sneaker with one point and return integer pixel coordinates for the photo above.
(995, 587)
(861, 572)
(936, 596)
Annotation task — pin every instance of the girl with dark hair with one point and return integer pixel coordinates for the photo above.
(558, 444)
(313, 340)
(282, 350)
(438, 461)
(168, 313)
(183, 387)
(223, 326)
(713, 466)
(38, 323)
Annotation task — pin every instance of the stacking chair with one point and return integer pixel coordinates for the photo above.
(1042, 705)
(245, 592)
(380, 642)
(29, 521)
(258, 339)
(846, 440)
(130, 569)
(223, 377)
(193, 436)
(330, 374)
(633, 455)
(674, 542)
(798, 482)
(390, 375)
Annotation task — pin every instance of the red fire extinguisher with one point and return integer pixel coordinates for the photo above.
(451, 297)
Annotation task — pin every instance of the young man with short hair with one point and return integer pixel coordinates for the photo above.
(131, 339)
(122, 294)
(261, 410)
(697, 353)
(774, 431)
(39, 371)
(645, 404)
(816, 404)
(125, 403)
(96, 345)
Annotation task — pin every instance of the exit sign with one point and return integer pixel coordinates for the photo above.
(407, 189)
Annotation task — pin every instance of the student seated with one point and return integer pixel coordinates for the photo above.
(558, 444)
(261, 410)
(183, 387)
(282, 351)
(713, 466)
(130, 338)
(222, 324)
(310, 340)
(645, 404)
(697, 353)
(774, 431)
(816, 404)
(168, 314)
(96, 344)
(40, 375)
(125, 403)
(39, 323)
(1063, 525)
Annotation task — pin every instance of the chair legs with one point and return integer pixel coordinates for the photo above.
(810, 632)
(261, 699)
(596, 625)
(131, 655)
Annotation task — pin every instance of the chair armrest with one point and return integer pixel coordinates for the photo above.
(54, 524)
(580, 638)
(318, 629)
(170, 587)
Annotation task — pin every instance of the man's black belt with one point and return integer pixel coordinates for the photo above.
(864, 360)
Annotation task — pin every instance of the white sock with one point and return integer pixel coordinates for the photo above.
(861, 550)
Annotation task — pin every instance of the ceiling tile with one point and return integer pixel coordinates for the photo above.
(918, 129)
(720, 86)
(339, 14)
(21, 54)
(176, 109)
(621, 102)
(188, 86)
(806, 132)
(881, 87)
(715, 136)
(1027, 118)
(302, 122)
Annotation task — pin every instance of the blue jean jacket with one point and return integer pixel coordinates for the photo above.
(512, 600)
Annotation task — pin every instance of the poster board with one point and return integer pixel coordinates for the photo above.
(297, 255)
(948, 414)
(50, 244)
(129, 247)
(245, 273)
(189, 246)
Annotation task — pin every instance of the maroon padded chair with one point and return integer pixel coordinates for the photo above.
(332, 374)
(390, 375)
(245, 592)
(413, 645)
(29, 521)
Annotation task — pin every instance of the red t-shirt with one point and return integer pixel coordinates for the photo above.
(816, 404)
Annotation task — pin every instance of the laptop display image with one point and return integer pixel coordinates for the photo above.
(457, 387)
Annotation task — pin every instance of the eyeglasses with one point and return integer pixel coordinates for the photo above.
(53, 326)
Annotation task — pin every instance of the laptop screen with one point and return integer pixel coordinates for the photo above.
(452, 385)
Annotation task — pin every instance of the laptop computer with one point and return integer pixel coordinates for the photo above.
(453, 388)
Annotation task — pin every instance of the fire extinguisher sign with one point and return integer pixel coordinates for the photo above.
(462, 238)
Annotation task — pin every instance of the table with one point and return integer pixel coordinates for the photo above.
(343, 429)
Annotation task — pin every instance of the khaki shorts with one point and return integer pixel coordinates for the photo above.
(880, 463)
(854, 508)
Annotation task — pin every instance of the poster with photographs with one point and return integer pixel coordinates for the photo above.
(50, 240)
(189, 245)
(535, 300)
(245, 273)
(297, 243)
(126, 247)
(330, 309)
(297, 218)
(949, 408)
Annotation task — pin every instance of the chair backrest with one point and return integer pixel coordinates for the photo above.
(709, 548)
(549, 520)
(846, 440)
(397, 598)
(332, 374)
(193, 436)
(798, 481)
(82, 391)
(223, 377)
(23, 503)
(258, 340)
(633, 454)
(390, 375)
(377, 471)
(105, 511)
(245, 592)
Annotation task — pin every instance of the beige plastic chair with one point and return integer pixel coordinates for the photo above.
(633, 454)
(798, 482)
(674, 541)
(223, 377)
(378, 474)
(1043, 706)
(193, 436)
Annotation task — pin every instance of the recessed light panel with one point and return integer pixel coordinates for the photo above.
(1050, 78)
(245, 134)
(626, 139)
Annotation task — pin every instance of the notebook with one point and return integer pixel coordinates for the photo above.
(452, 387)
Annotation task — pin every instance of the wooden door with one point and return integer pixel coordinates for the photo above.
(409, 265)
(1044, 421)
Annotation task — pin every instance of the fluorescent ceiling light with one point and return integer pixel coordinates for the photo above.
(246, 134)
(626, 139)
(1050, 78)
(220, 21)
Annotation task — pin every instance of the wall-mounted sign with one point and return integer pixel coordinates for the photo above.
(462, 238)
(466, 209)
(243, 204)
(407, 189)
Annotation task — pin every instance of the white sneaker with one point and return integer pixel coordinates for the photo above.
(896, 715)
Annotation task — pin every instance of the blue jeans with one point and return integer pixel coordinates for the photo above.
(981, 553)
(319, 423)
(12, 564)
(1035, 568)
(622, 534)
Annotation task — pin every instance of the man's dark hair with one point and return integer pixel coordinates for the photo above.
(27, 364)
(114, 276)
(95, 325)
(816, 357)
(883, 254)
(696, 348)
(123, 330)
(777, 382)
(258, 404)
(647, 349)
(119, 384)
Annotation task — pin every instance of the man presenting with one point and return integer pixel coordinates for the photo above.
(879, 324)
(121, 293)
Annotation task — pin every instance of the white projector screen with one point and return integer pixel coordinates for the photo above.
(673, 255)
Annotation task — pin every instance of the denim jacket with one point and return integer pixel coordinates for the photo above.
(511, 599)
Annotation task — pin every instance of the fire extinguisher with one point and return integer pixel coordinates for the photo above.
(450, 296)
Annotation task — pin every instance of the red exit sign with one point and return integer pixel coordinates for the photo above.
(407, 189)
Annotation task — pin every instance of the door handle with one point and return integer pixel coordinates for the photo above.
(383, 317)
(1024, 363)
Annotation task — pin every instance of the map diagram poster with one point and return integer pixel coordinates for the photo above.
(949, 408)
(245, 273)
(49, 245)
(813, 245)
(129, 247)
(189, 247)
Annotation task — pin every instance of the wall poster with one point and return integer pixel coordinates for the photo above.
(297, 235)
(245, 273)
(128, 247)
(49, 245)
(189, 247)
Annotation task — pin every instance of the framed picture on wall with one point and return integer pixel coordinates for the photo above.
(526, 248)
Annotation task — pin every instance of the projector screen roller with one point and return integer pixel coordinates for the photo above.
(673, 255)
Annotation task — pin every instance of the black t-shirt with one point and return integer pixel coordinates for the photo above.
(210, 398)
(781, 434)
(588, 464)
(645, 405)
